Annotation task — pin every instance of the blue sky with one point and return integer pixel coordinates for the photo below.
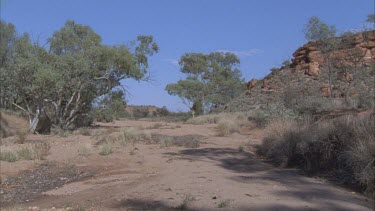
(262, 33)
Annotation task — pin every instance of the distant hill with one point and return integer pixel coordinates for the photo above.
(342, 69)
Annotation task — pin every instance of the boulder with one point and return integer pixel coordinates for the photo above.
(312, 69)
(315, 56)
(252, 83)
(325, 90)
(266, 84)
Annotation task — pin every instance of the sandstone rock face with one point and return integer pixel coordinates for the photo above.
(325, 90)
(347, 70)
(359, 48)
(312, 69)
(252, 83)
(266, 84)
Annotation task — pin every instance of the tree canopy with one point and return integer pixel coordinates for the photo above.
(63, 79)
(316, 30)
(212, 80)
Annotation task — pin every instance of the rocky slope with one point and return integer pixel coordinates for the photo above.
(341, 68)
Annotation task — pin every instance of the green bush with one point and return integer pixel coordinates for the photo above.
(139, 113)
(103, 115)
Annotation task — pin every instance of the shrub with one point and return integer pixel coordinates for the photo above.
(163, 111)
(105, 149)
(186, 202)
(103, 115)
(25, 153)
(83, 151)
(343, 147)
(216, 118)
(227, 127)
(8, 156)
(34, 151)
(272, 112)
(225, 203)
(166, 141)
(139, 113)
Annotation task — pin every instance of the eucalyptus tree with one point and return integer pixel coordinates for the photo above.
(62, 80)
(316, 30)
(212, 80)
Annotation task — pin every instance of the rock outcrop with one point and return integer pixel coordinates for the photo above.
(341, 67)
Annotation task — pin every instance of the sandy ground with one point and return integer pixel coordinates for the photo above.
(215, 176)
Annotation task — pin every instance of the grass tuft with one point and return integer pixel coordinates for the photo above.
(105, 149)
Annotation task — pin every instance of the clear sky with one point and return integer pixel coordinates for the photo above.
(263, 33)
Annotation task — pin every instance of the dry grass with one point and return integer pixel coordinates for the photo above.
(84, 150)
(84, 131)
(166, 141)
(11, 122)
(186, 202)
(225, 203)
(228, 123)
(60, 132)
(27, 152)
(8, 156)
(227, 127)
(105, 149)
(156, 126)
(343, 148)
(34, 151)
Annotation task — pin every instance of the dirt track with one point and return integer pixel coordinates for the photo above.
(217, 175)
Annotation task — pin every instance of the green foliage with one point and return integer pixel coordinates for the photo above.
(197, 108)
(316, 30)
(65, 78)
(212, 80)
(109, 107)
(140, 112)
(163, 111)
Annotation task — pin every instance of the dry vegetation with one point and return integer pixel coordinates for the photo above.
(343, 148)
(35, 151)
(227, 123)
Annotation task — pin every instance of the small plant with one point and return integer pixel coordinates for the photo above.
(225, 203)
(84, 151)
(8, 156)
(241, 148)
(105, 149)
(166, 141)
(25, 153)
(227, 127)
(130, 134)
(186, 202)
